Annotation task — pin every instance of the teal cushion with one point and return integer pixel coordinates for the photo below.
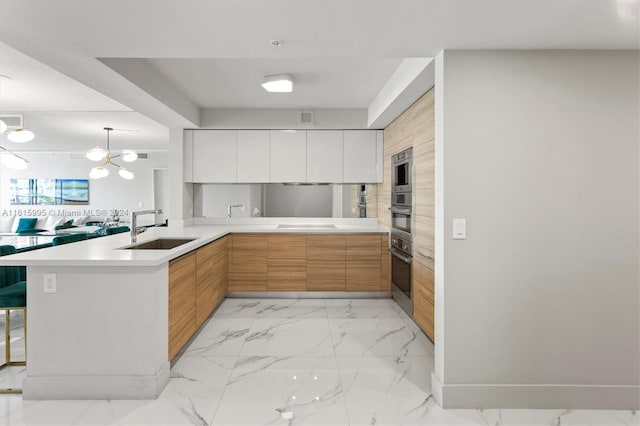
(31, 231)
(66, 225)
(9, 275)
(117, 230)
(7, 249)
(26, 224)
(71, 238)
(36, 247)
(14, 296)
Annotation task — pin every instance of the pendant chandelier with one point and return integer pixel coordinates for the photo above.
(12, 160)
(105, 155)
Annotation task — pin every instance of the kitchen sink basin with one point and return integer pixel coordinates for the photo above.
(306, 226)
(159, 244)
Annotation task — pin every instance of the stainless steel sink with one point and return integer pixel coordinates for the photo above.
(306, 226)
(159, 244)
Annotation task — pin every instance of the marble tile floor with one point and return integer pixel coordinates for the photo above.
(296, 362)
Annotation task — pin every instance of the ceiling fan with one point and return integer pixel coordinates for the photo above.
(100, 154)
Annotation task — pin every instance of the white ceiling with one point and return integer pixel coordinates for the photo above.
(33, 86)
(66, 115)
(79, 131)
(318, 82)
(212, 53)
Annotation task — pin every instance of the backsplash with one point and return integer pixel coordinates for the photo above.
(282, 200)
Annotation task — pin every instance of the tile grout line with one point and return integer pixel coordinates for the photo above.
(335, 358)
(215, 413)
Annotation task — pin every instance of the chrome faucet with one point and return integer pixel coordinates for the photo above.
(134, 219)
(232, 206)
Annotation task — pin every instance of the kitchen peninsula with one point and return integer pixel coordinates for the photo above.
(111, 328)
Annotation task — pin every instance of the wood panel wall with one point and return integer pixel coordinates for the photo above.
(414, 127)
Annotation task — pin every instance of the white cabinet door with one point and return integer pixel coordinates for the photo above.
(288, 156)
(187, 159)
(360, 156)
(380, 156)
(215, 154)
(253, 156)
(325, 156)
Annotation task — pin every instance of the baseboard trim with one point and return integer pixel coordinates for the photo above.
(436, 388)
(310, 294)
(96, 387)
(589, 397)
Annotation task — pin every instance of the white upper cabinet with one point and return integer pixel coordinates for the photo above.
(360, 156)
(288, 156)
(187, 160)
(261, 156)
(324, 156)
(215, 155)
(253, 156)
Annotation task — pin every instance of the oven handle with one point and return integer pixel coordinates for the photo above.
(401, 210)
(399, 255)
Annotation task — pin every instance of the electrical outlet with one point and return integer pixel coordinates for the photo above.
(50, 285)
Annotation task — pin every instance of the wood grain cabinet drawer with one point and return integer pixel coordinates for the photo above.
(363, 262)
(248, 263)
(423, 297)
(286, 262)
(182, 302)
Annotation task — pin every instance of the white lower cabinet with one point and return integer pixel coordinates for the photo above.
(253, 156)
(288, 156)
(215, 156)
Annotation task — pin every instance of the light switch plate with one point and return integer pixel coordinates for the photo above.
(459, 229)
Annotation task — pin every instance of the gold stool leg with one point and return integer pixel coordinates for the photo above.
(7, 337)
(7, 343)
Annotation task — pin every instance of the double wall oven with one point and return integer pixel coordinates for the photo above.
(401, 246)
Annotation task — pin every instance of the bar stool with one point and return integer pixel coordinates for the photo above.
(66, 239)
(13, 297)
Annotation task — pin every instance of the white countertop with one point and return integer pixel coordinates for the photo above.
(106, 251)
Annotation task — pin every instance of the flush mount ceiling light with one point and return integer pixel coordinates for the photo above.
(99, 154)
(278, 83)
(20, 135)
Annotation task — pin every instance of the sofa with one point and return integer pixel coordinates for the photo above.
(24, 225)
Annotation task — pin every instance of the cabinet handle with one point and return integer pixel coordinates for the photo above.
(425, 256)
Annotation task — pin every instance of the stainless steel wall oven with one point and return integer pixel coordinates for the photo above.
(401, 219)
(401, 271)
(401, 229)
(401, 172)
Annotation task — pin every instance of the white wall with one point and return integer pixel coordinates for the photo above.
(279, 118)
(161, 193)
(542, 300)
(108, 193)
(181, 194)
